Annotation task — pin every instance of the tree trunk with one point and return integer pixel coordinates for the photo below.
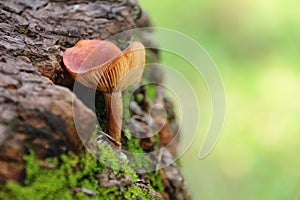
(36, 103)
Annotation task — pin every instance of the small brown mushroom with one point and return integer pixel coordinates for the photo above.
(102, 65)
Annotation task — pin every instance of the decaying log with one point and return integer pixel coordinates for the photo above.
(36, 99)
(35, 111)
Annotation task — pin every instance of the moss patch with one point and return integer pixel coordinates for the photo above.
(74, 177)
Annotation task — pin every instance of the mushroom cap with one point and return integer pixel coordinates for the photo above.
(102, 65)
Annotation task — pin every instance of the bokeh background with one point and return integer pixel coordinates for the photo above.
(256, 46)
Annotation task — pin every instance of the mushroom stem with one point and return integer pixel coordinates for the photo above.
(114, 108)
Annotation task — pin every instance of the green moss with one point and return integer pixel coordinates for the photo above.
(155, 181)
(151, 91)
(135, 192)
(127, 134)
(139, 98)
(71, 172)
(131, 144)
(32, 167)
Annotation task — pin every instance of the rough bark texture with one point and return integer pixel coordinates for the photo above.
(36, 105)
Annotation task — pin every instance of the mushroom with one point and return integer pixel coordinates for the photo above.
(102, 65)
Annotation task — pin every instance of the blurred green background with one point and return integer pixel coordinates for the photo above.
(256, 46)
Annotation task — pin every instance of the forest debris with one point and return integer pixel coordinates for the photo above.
(47, 165)
(86, 191)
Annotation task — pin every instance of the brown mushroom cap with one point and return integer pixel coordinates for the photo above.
(102, 65)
